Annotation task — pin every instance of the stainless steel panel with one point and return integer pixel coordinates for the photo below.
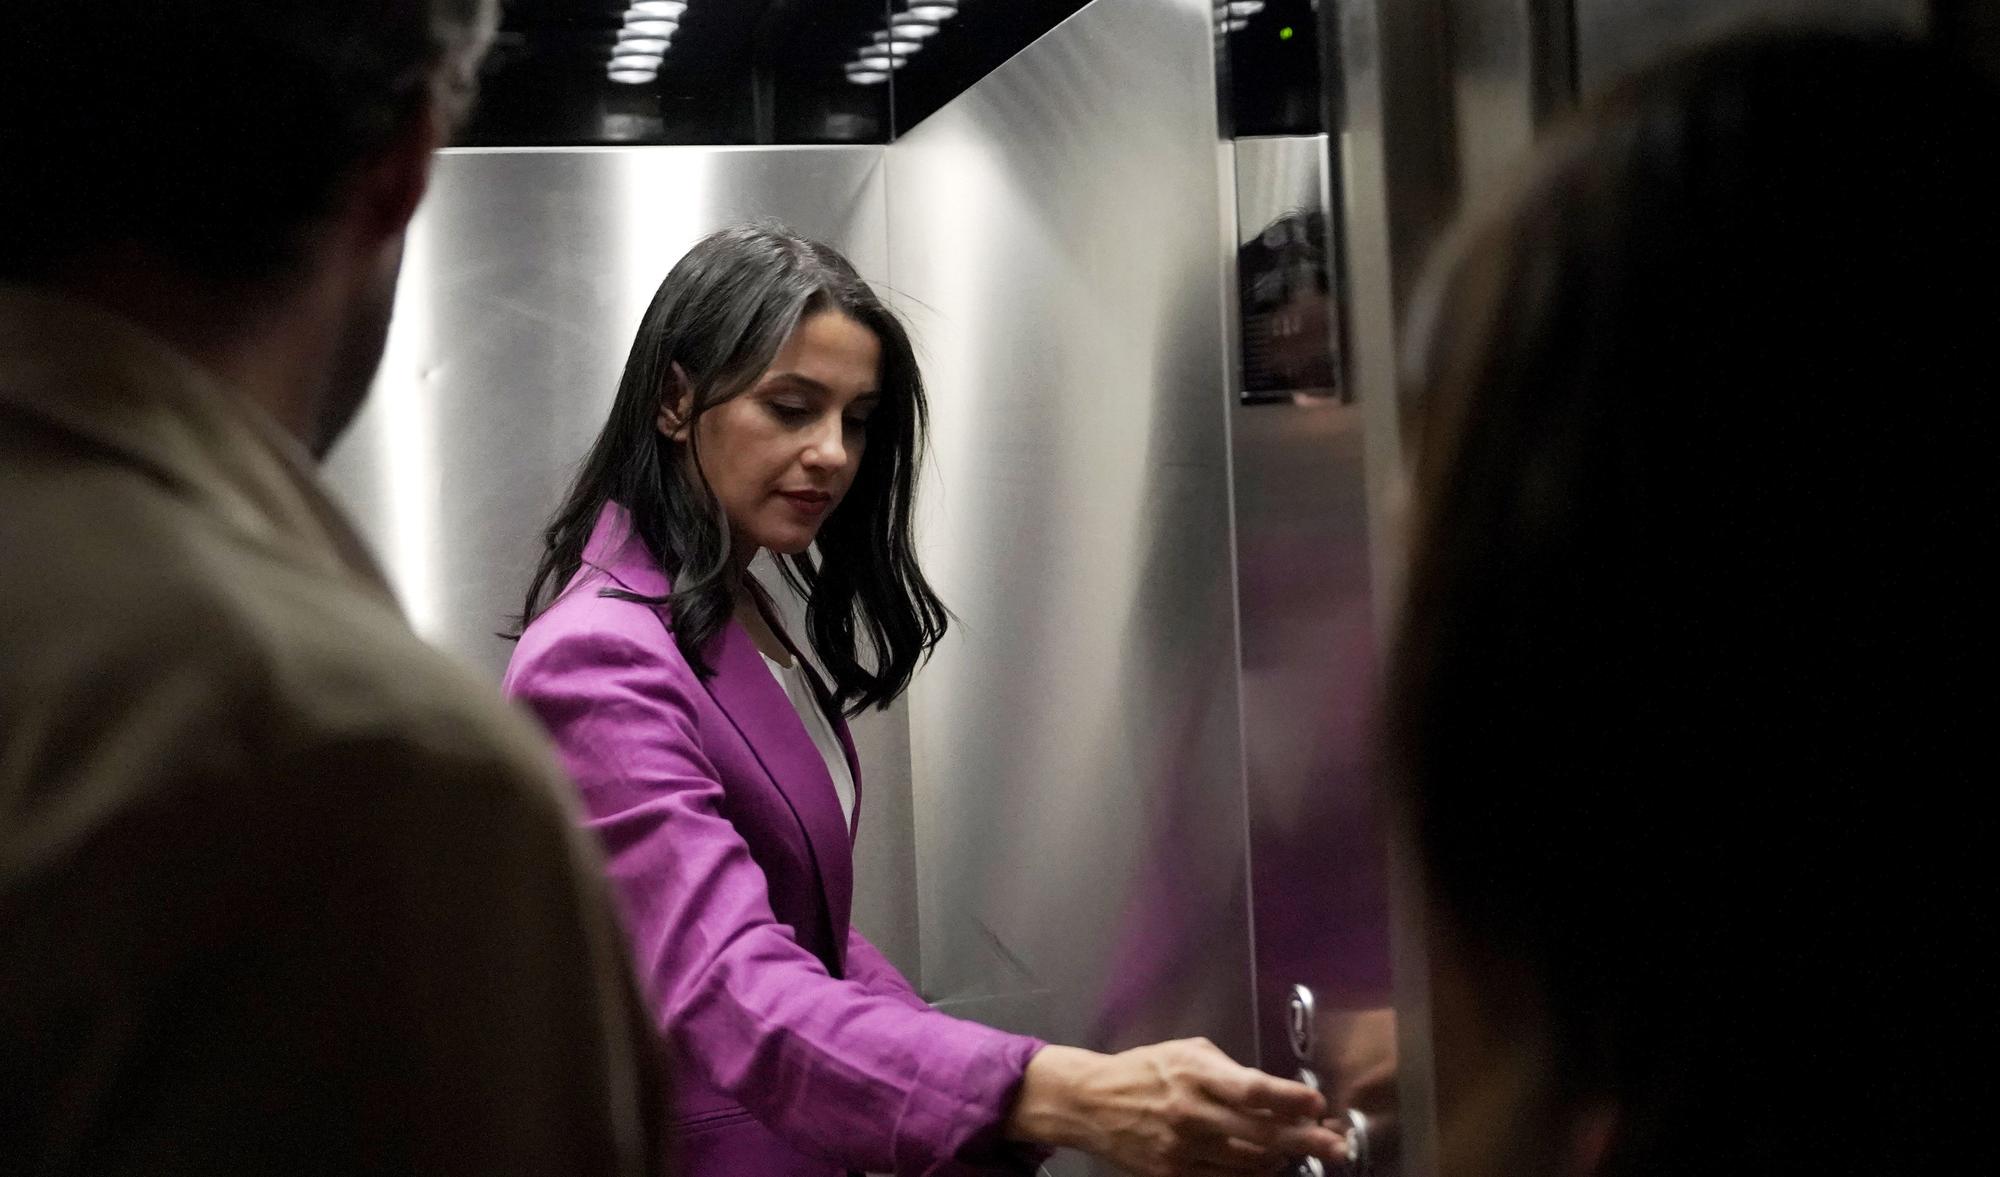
(1615, 36)
(526, 275)
(1057, 232)
(1319, 886)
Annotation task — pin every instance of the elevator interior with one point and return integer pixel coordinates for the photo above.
(1154, 260)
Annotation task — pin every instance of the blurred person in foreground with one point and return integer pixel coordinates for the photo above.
(1691, 672)
(281, 890)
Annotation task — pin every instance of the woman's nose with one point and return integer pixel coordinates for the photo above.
(829, 446)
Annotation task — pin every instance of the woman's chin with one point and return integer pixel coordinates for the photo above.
(791, 543)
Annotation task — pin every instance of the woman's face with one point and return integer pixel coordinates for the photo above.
(781, 456)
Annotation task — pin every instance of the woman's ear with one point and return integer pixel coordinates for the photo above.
(676, 405)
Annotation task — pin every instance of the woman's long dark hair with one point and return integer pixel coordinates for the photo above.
(721, 317)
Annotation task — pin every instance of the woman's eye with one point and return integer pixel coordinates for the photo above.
(855, 424)
(790, 413)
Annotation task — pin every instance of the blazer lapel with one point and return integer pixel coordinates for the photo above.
(746, 691)
(853, 774)
(839, 729)
(742, 686)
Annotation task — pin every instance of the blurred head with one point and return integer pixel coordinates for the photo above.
(771, 402)
(1683, 693)
(230, 156)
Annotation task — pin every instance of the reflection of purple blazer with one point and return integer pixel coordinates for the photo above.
(799, 1049)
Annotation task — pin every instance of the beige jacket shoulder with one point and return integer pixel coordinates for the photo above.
(282, 890)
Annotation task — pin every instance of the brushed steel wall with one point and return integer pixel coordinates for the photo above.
(1319, 885)
(1057, 236)
(526, 276)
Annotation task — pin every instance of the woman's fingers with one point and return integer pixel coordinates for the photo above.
(1253, 1090)
(1251, 1117)
(1185, 1107)
(1202, 1143)
(1309, 1140)
(1267, 1135)
(1272, 1113)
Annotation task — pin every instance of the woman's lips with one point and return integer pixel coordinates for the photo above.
(809, 502)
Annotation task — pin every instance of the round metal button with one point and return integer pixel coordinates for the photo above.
(1357, 1141)
(1299, 1017)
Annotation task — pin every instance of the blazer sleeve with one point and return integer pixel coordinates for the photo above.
(868, 1079)
(868, 968)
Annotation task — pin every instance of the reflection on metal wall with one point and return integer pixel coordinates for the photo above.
(1286, 265)
(1317, 842)
(721, 71)
(1057, 234)
(527, 274)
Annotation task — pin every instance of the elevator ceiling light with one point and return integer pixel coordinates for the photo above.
(874, 61)
(648, 32)
(909, 24)
(1245, 8)
(1235, 25)
(897, 37)
(935, 11)
(867, 77)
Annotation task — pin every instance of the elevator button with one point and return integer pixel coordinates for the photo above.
(1357, 1142)
(1299, 1014)
(1308, 1166)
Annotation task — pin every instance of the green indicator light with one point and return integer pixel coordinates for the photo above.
(1285, 34)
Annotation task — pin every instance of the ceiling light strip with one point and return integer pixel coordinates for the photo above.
(646, 32)
(891, 48)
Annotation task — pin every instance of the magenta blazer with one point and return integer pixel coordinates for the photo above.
(798, 1049)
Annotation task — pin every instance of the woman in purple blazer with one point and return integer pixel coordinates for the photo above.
(772, 403)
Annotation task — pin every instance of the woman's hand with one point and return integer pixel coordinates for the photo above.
(1176, 1108)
